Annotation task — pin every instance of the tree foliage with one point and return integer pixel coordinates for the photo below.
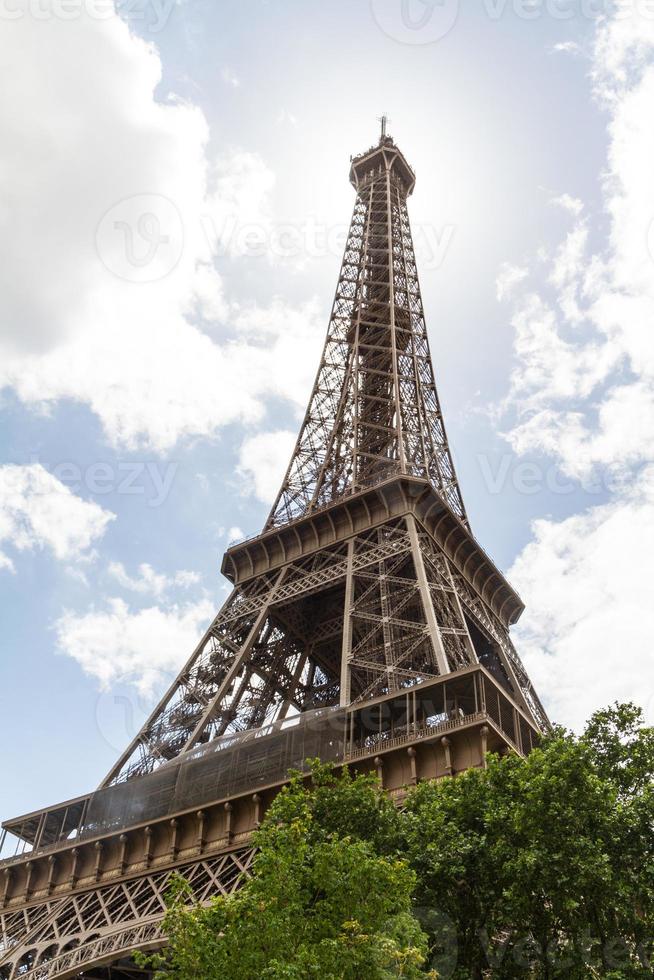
(544, 866)
(539, 868)
(329, 897)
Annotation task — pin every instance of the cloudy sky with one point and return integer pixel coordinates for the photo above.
(173, 201)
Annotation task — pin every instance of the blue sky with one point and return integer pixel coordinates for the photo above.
(148, 406)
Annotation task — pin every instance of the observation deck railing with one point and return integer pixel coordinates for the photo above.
(252, 760)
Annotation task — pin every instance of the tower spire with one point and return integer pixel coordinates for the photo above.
(374, 409)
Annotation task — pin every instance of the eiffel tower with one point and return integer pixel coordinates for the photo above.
(366, 626)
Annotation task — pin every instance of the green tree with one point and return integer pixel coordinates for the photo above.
(622, 751)
(622, 748)
(544, 866)
(327, 898)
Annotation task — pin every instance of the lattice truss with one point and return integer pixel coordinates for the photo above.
(374, 410)
(392, 644)
(511, 666)
(107, 922)
(381, 611)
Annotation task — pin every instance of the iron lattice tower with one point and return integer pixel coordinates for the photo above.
(380, 610)
(374, 411)
(366, 594)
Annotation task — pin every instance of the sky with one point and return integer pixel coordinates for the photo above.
(174, 197)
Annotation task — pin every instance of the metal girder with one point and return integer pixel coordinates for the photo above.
(58, 939)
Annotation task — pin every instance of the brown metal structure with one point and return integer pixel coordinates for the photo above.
(366, 626)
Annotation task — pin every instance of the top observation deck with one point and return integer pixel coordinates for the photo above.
(381, 159)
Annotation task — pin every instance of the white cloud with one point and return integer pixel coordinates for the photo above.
(53, 282)
(238, 220)
(508, 278)
(91, 221)
(279, 348)
(38, 511)
(150, 582)
(143, 647)
(553, 367)
(567, 47)
(583, 393)
(583, 385)
(603, 442)
(587, 582)
(229, 78)
(571, 204)
(263, 461)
